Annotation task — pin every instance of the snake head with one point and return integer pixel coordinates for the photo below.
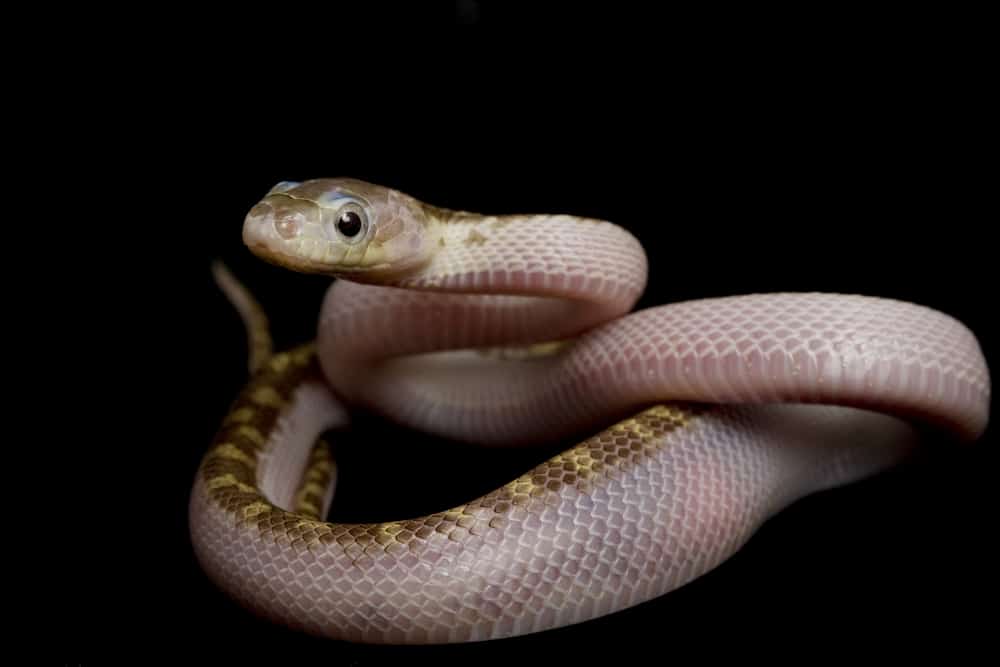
(340, 227)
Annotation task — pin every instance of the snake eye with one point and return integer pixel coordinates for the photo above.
(350, 222)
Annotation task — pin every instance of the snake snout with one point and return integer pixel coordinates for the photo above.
(259, 217)
(288, 225)
(286, 231)
(286, 219)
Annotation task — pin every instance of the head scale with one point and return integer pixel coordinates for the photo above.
(340, 226)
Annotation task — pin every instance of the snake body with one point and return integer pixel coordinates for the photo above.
(515, 330)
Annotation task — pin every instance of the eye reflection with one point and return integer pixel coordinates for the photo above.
(349, 224)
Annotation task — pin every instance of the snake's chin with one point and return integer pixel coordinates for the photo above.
(271, 256)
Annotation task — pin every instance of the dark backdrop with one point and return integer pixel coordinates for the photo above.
(735, 182)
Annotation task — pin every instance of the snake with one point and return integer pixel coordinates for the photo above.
(695, 421)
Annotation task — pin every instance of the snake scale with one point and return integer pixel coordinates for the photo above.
(705, 417)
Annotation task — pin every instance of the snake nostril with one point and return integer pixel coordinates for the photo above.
(287, 226)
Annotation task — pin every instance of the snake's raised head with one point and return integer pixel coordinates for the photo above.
(340, 227)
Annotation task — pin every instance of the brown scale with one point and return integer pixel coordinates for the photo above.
(315, 481)
(229, 471)
(230, 468)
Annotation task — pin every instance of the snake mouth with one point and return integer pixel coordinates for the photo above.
(300, 264)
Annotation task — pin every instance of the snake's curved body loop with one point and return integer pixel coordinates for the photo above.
(773, 397)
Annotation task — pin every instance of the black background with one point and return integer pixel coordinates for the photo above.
(841, 174)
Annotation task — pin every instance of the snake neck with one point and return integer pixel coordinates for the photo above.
(561, 256)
